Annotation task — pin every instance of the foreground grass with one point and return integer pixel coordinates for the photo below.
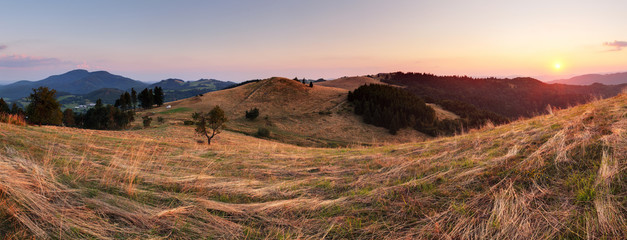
(555, 176)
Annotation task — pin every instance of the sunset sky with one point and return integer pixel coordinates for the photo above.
(241, 40)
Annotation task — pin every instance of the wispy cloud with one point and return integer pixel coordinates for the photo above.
(616, 45)
(83, 65)
(2, 47)
(24, 61)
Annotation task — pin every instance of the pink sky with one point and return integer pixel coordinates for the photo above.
(241, 40)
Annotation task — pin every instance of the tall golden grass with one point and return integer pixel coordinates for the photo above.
(14, 119)
(557, 176)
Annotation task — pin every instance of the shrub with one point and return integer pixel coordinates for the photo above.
(160, 120)
(147, 121)
(252, 114)
(188, 122)
(263, 132)
(14, 119)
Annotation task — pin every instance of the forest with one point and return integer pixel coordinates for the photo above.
(395, 108)
(511, 98)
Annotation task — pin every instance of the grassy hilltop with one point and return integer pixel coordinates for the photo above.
(292, 111)
(555, 176)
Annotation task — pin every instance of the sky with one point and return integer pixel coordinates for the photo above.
(238, 40)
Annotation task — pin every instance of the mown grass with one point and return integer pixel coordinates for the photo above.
(551, 177)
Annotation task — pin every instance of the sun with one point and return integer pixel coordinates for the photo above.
(557, 66)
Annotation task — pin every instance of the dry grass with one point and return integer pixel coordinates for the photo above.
(350, 83)
(442, 113)
(293, 112)
(555, 176)
(14, 119)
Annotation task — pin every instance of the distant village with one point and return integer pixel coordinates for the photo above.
(90, 105)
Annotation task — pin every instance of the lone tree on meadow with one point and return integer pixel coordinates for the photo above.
(44, 108)
(210, 124)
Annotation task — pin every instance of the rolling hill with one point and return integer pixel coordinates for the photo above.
(107, 95)
(512, 98)
(557, 176)
(350, 83)
(588, 79)
(294, 112)
(176, 89)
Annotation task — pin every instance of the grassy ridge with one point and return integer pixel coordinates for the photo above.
(555, 176)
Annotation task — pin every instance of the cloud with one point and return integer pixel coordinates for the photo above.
(83, 65)
(2, 47)
(23, 61)
(616, 45)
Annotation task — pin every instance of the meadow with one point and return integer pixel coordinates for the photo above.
(560, 175)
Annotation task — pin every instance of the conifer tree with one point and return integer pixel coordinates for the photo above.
(133, 98)
(4, 107)
(126, 99)
(158, 96)
(16, 110)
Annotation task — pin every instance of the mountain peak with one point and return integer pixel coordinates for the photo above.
(173, 80)
(77, 71)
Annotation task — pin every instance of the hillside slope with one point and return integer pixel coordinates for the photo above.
(176, 89)
(294, 112)
(512, 98)
(549, 177)
(350, 83)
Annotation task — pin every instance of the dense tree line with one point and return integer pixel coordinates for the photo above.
(393, 108)
(469, 116)
(14, 109)
(102, 117)
(125, 102)
(149, 97)
(44, 109)
(512, 98)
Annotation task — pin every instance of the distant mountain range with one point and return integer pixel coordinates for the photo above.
(607, 79)
(74, 82)
(81, 86)
(175, 89)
